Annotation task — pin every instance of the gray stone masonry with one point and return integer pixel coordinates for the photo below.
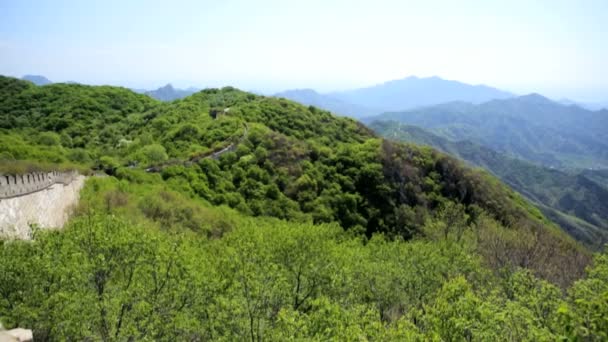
(20, 185)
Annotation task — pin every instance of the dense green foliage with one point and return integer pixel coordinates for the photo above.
(530, 127)
(577, 202)
(291, 162)
(301, 225)
(141, 261)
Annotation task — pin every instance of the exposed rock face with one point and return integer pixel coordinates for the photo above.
(48, 208)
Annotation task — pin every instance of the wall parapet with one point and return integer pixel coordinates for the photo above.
(20, 185)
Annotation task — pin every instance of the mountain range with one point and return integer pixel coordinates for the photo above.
(310, 97)
(530, 127)
(164, 93)
(523, 140)
(413, 92)
(169, 93)
(407, 93)
(597, 105)
(37, 79)
(578, 202)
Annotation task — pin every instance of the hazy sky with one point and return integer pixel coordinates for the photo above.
(558, 48)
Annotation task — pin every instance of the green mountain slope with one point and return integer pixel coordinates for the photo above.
(286, 160)
(529, 127)
(558, 194)
(271, 220)
(296, 162)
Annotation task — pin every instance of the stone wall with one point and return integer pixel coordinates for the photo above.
(19, 185)
(44, 199)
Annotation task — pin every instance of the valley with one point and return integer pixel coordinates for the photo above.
(573, 200)
(530, 127)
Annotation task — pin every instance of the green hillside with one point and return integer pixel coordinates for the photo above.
(561, 196)
(295, 163)
(266, 220)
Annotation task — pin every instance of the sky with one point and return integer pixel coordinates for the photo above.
(553, 47)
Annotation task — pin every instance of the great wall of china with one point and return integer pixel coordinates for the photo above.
(41, 198)
(20, 185)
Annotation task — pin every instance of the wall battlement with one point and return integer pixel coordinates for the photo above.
(20, 185)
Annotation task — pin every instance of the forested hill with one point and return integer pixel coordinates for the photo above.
(297, 163)
(529, 127)
(307, 217)
(576, 201)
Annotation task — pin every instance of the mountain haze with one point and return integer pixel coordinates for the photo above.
(600, 105)
(310, 97)
(577, 202)
(37, 79)
(529, 127)
(412, 92)
(407, 93)
(169, 93)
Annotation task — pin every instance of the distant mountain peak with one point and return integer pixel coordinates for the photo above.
(38, 80)
(413, 92)
(302, 91)
(169, 93)
(310, 97)
(535, 98)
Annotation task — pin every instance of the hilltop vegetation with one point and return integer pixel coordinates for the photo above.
(577, 202)
(311, 227)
